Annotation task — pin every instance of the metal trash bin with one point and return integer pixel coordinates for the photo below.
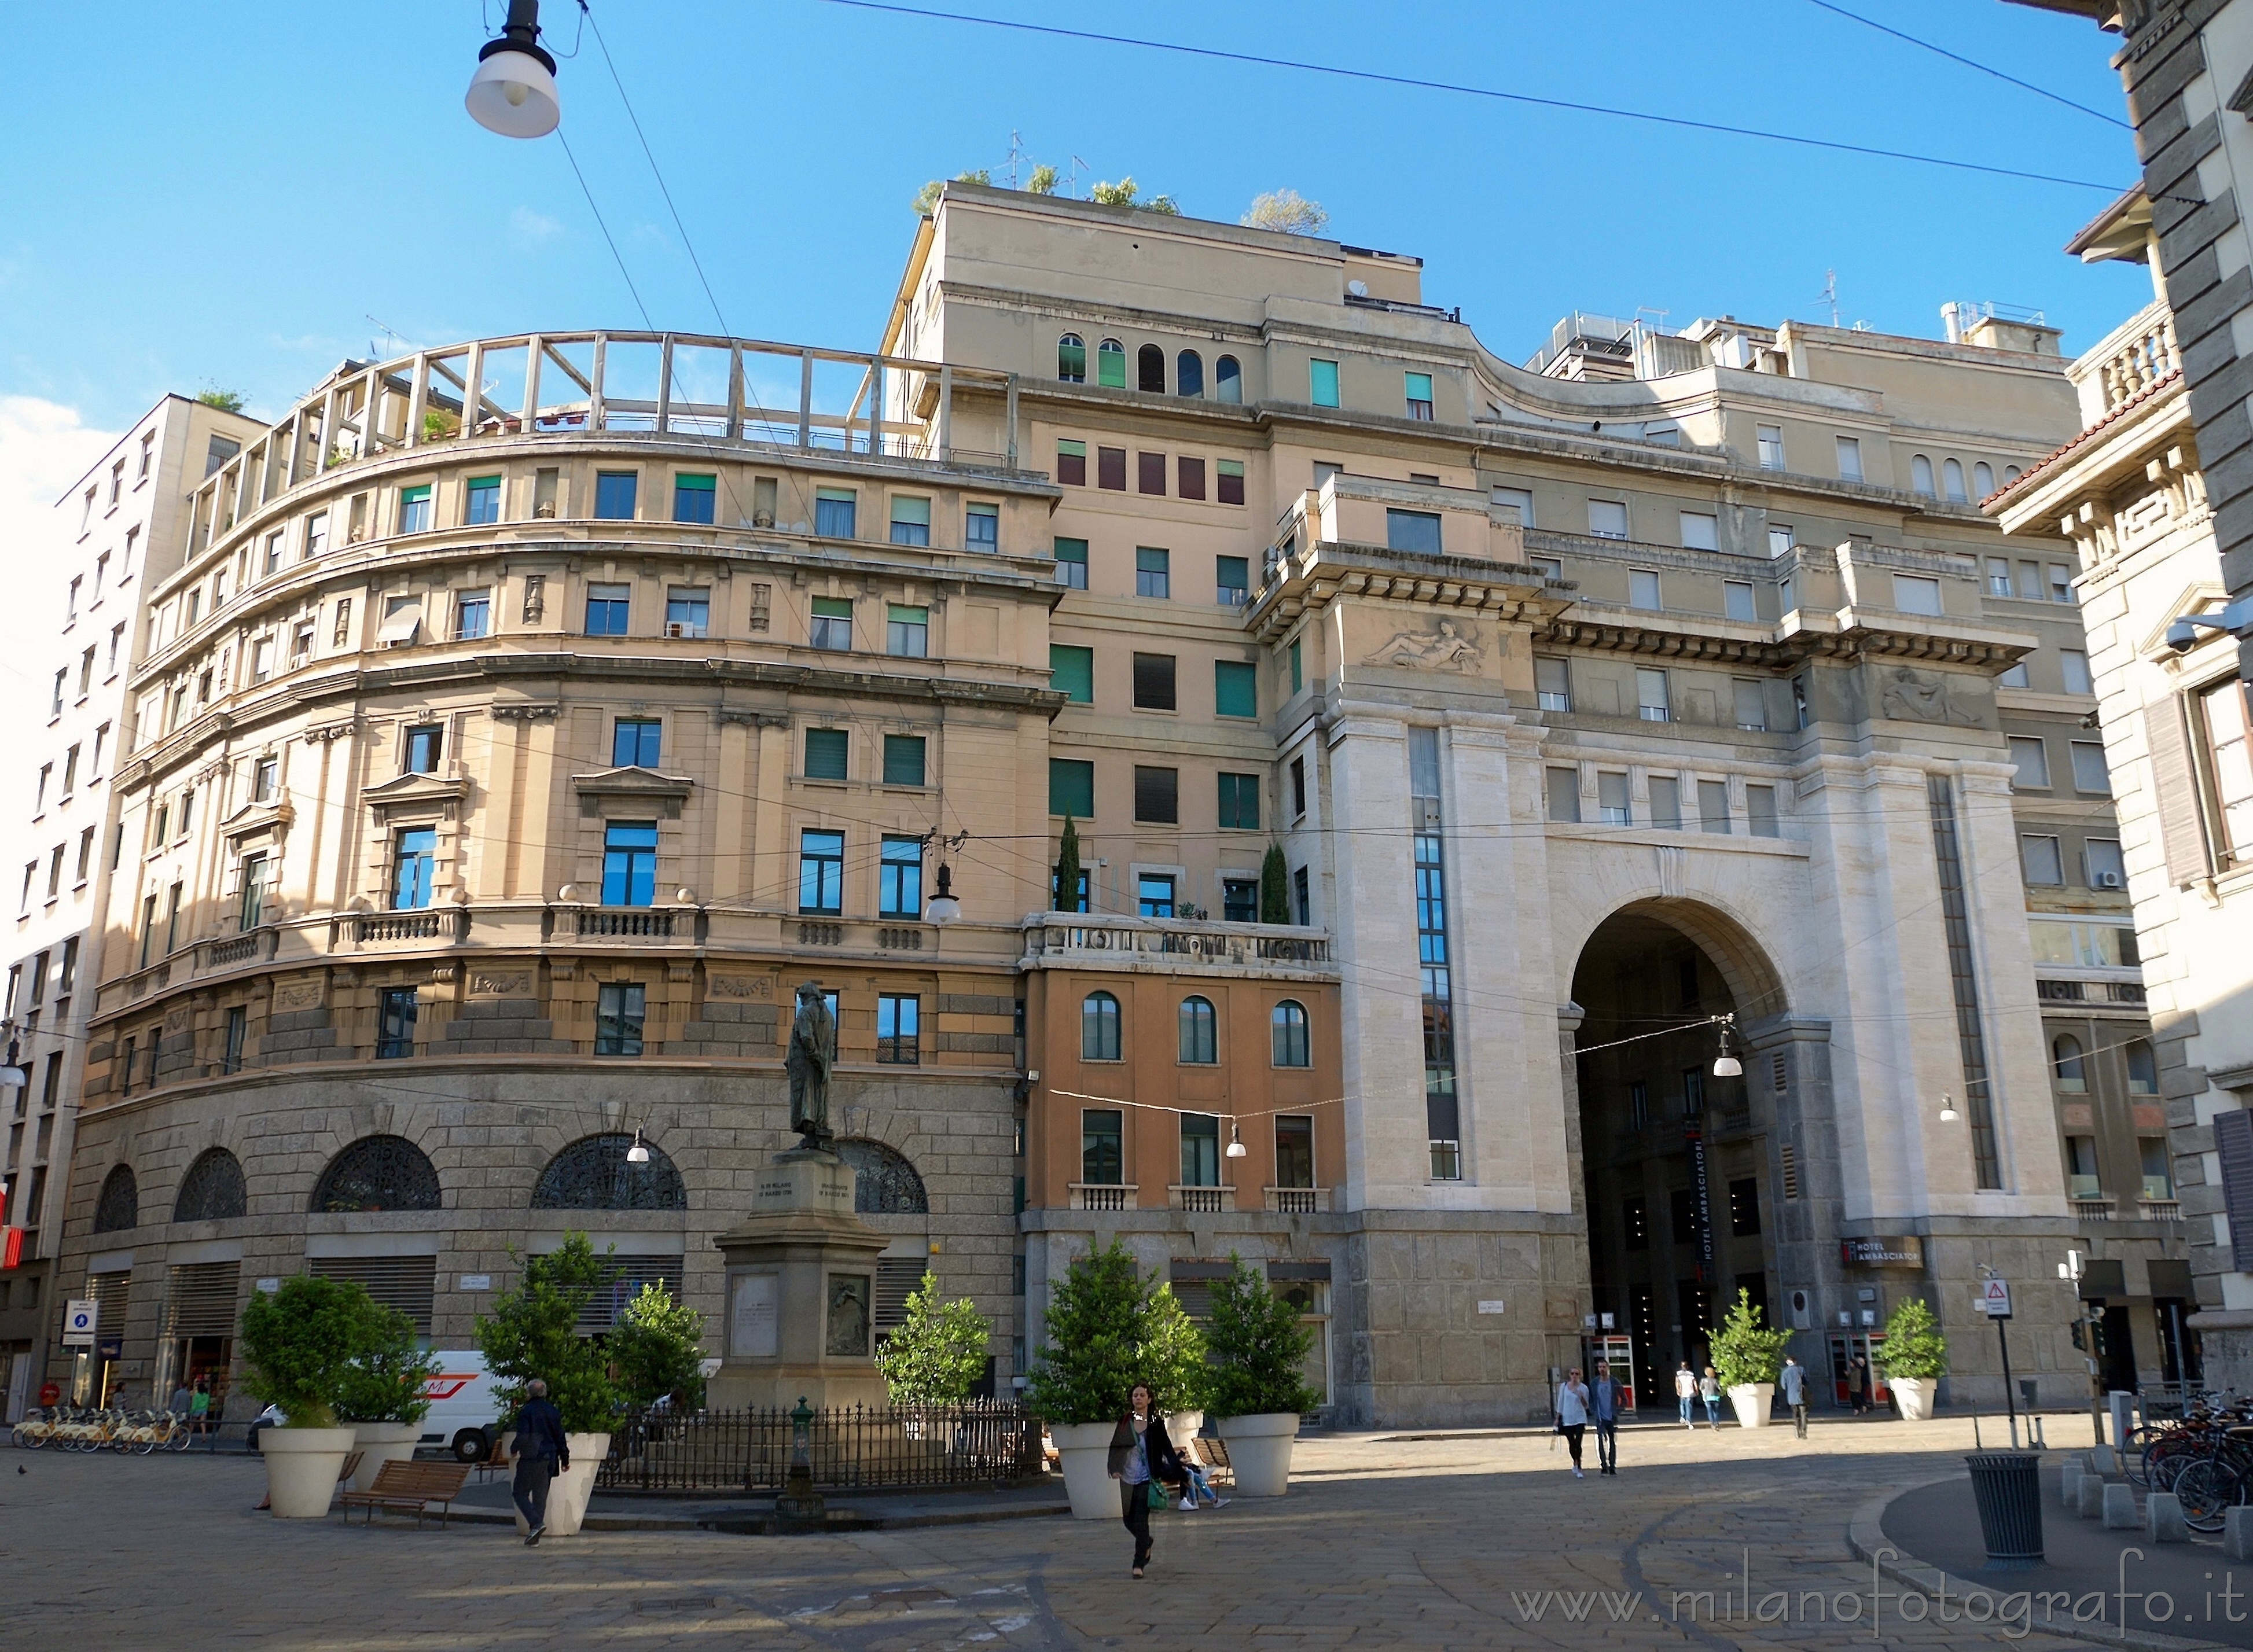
(2008, 1487)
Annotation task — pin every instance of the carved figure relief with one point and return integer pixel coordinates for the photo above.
(1914, 696)
(1449, 646)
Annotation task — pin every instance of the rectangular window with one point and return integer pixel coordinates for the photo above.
(1239, 900)
(637, 742)
(1849, 459)
(1239, 802)
(910, 521)
(2224, 760)
(688, 613)
(826, 754)
(1072, 788)
(472, 615)
(1072, 563)
(1153, 682)
(413, 518)
(252, 908)
(2061, 583)
(1564, 785)
(1228, 481)
(1650, 701)
(2089, 773)
(1322, 383)
(836, 513)
(903, 760)
(2073, 666)
(262, 663)
(694, 499)
(1232, 578)
(1771, 447)
(1418, 388)
(1157, 796)
(621, 1008)
(1102, 1143)
(1915, 594)
(1608, 519)
(907, 631)
(821, 872)
(1153, 894)
(899, 879)
(2030, 757)
(1750, 702)
(1200, 1150)
(1072, 462)
(1999, 577)
(629, 863)
(426, 743)
(1111, 469)
(1737, 600)
(1235, 688)
(832, 623)
(1189, 478)
(1666, 801)
(481, 505)
(394, 1035)
(609, 607)
(1642, 589)
(1152, 572)
(1302, 900)
(1299, 788)
(414, 862)
(1713, 806)
(615, 495)
(1417, 531)
(1611, 797)
(2101, 862)
(981, 529)
(1552, 683)
(238, 1027)
(1298, 675)
(1779, 539)
(1700, 531)
(2030, 582)
(1759, 811)
(897, 1018)
(1517, 500)
(1071, 672)
(2043, 863)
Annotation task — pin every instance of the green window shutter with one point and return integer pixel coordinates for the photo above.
(1322, 383)
(1072, 550)
(1420, 386)
(1228, 467)
(1235, 688)
(1071, 449)
(833, 607)
(481, 482)
(696, 483)
(903, 760)
(842, 495)
(1110, 367)
(1072, 788)
(416, 495)
(901, 614)
(1298, 679)
(1073, 671)
(915, 511)
(1239, 802)
(825, 754)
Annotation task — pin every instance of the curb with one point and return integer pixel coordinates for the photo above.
(719, 1520)
(1866, 1535)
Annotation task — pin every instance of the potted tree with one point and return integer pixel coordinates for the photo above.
(657, 1352)
(1258, 1344)
(533, 1331)
(1747, 1358)
(299, 1346)
(936, 1356)
(385, 1393)
(1106, 1329)
(1914, 1358)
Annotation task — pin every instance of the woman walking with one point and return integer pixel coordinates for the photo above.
(1143, 1461)
(1573, 1415)
(1709, 1393)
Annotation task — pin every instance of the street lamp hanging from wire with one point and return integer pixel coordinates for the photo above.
(513, 92)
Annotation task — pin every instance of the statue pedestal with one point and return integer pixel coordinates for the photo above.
(801, 1292)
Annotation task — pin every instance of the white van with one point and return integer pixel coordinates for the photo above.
(464, 1405)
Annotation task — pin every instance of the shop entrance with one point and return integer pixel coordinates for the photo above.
(1845, 1346)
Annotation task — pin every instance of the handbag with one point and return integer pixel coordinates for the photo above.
(1156, 1494)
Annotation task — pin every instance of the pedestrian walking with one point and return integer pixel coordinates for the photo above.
(1685, 1390)
(199, 1406)
(1709, 1391)
(1604, 1396)
(541, 1453)
(1794, 1381)
(180, 1402)
(1144, 1462)
(1857, 1385)
(1573, 1415)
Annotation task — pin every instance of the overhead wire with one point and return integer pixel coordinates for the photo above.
(1971, 63)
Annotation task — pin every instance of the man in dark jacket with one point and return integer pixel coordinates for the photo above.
(1604, 1396)
(541, 1453)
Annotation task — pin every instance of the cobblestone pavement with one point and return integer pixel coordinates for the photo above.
(1384, 1541)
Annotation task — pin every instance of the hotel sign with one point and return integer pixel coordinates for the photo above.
(1905, 1251)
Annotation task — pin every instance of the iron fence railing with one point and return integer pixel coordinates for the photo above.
(979, 1442)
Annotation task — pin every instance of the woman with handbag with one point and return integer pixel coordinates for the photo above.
(1143, 1461)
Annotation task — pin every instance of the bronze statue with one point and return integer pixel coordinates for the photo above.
(812, 1053)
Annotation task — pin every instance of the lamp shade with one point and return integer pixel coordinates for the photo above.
(944, 907)
(513, 94)
(1727, 1066)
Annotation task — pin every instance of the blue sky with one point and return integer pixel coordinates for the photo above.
(226, 194)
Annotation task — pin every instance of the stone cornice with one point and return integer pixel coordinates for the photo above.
(1322, 573)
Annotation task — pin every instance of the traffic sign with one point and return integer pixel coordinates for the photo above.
(79, 1320)
(1995, 1298)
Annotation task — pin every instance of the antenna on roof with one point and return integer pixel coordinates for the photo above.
(1077, 167)
(1016, 154)
(1830, 293)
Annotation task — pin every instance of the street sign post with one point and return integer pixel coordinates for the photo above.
(78, 1321)
(1995, 1298)
(1995, 1303)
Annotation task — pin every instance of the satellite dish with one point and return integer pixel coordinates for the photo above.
(1359, 288)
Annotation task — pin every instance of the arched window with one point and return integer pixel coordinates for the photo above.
(1920, 475)
(119, 1207)
(1189, 373)
(377, 1172)
(1071, 359)
(1952, 474)
(1111, 365)
(1290, 1030)
(1200, 1032)
(2011, 473)
(592, 1174)
(2072, 1071)
(1150, 369)
(887, 1184)
(1227, 382)
(1099, 1028)
(1983, 478)
(212, 1191)
(2142, 1069)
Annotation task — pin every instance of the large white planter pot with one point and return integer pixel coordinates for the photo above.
(302, 1466)
(1086, 1448)
(1182, 1427)
(1752, 1401)
(1913, 1396)
(568, 1491)
(381, 1443)
(1259, 1450)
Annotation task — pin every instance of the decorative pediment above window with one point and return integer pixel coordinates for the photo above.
(418, 797)
(255, 819)
(632, 787)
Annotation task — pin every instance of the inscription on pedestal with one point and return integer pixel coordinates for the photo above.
(754, 1330)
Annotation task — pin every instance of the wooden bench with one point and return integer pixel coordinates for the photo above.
(411, 1487)
(1211, 1455)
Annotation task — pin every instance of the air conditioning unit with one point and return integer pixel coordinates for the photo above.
(675, 628)
(2105, 881)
